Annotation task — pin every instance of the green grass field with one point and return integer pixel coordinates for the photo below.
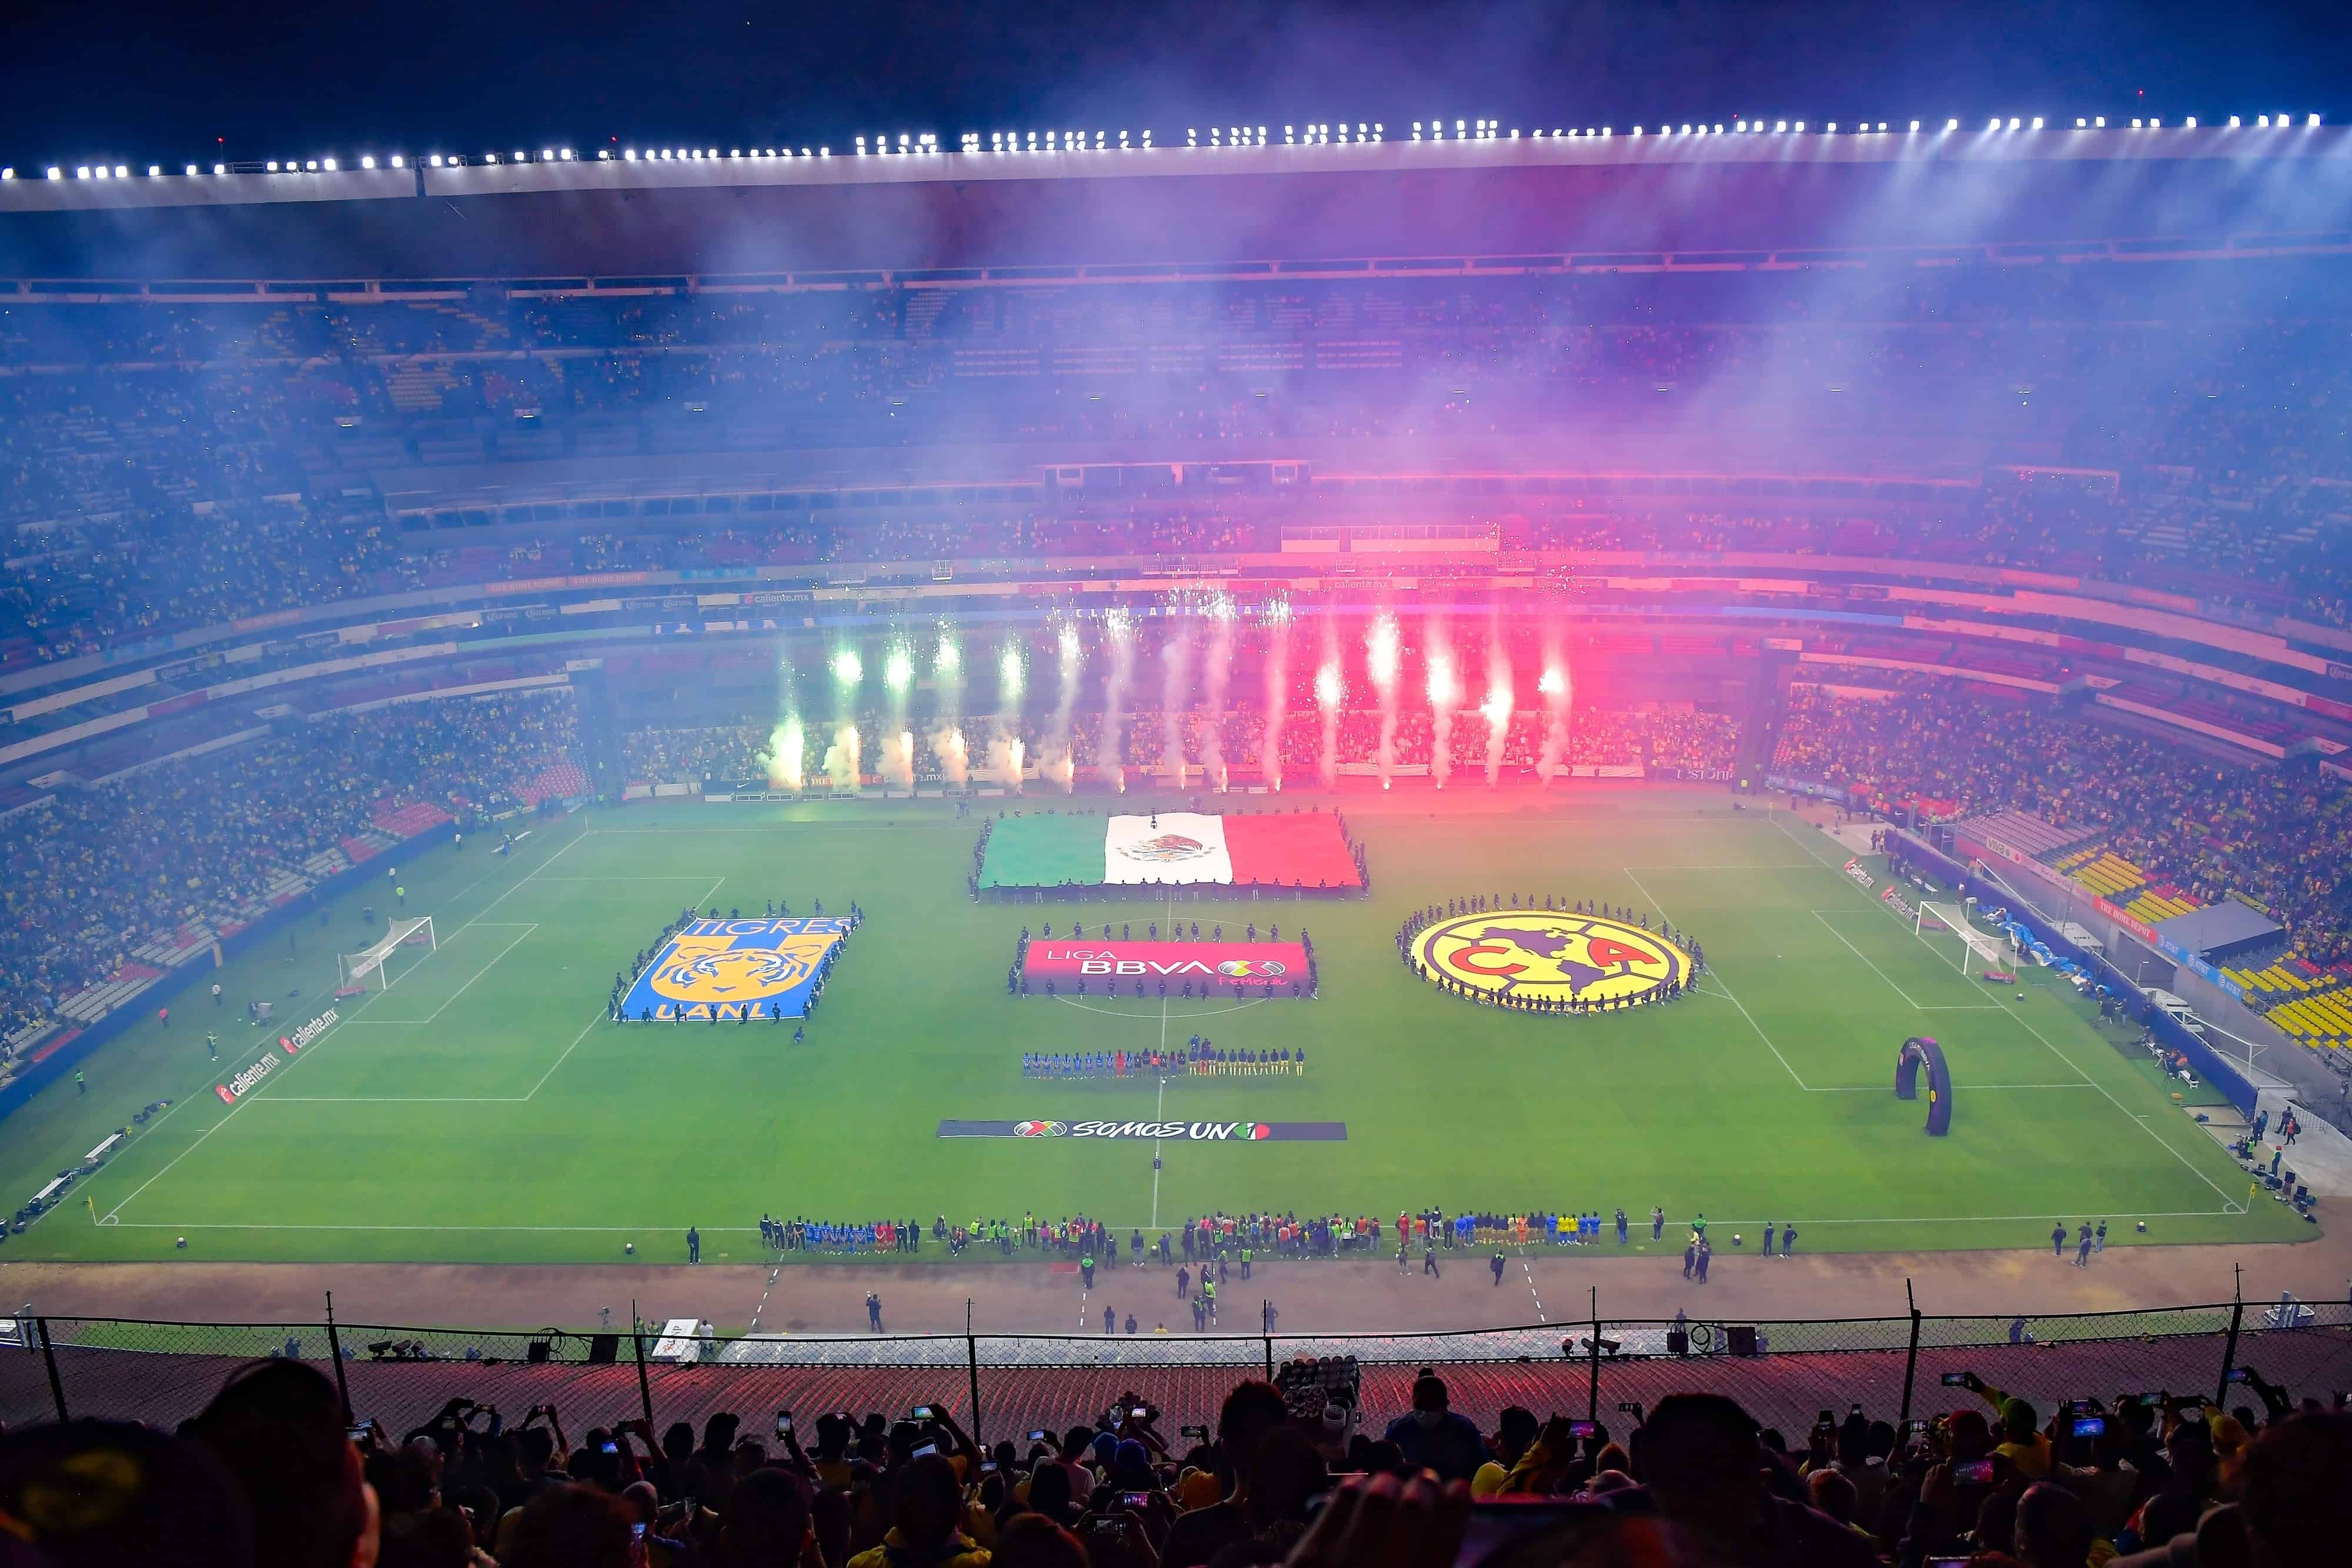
(482, 1109)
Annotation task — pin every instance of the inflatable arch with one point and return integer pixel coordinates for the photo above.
(1921, 1051)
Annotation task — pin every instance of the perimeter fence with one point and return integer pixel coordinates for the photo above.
(1006, 1385)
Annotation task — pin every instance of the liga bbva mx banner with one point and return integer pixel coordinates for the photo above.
(1204, 963)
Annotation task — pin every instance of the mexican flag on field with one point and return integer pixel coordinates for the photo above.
(1172, 848)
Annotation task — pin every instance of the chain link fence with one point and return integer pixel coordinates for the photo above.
(999, 1386)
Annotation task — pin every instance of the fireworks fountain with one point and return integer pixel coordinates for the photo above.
(1381, 657)
(898, 741)
(1277, 690)
(1216, 671)
(1175, 655)
(1557, 693)
(1058, 758)
(1111, 765)
(1444, 687)
(785, 758)
(840, 758)
(1005, 762)
(1498, 705)
(947, 734)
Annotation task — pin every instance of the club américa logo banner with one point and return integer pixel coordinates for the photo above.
(1551, 957)
(1155, 1131)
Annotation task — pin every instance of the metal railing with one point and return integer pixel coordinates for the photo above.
(1004, 1385)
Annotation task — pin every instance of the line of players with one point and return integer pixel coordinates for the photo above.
(1199, 1058)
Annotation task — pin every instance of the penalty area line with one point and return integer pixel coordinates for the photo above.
(1651, 899)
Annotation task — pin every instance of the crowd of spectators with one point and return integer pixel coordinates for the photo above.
(2281, 835)
(173, 465)
(271, 1474)
(97, 873)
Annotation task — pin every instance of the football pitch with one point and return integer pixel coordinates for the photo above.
(481, 1107)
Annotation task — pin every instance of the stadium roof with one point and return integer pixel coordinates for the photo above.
(1643, 189)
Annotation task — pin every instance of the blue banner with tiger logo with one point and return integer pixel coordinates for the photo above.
(765, 967)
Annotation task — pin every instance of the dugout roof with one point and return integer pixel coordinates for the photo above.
(2220, 932)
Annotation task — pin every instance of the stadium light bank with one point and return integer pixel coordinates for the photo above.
(1467, 136)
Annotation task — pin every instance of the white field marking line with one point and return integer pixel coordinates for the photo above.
(1744, 866)
(1159, 1112)
(312, 1049)
(1881, 1088)
(2230, 1205)
(2162, 1141)
(1127, 1225)
(394, 1100)
(1530, 1273)
(1858, 953)
(774, 1269)
(1651, 899)
(461, 990)
(681, 877)
(601, 1015)
(568, 1049)
(1823, 916)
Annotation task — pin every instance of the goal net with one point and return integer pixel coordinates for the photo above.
(377, 967)
(1947, 923)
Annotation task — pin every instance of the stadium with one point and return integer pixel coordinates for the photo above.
(1043, 772)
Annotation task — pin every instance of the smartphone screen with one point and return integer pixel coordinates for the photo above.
(636, 1531)
(1956, 1380)
(2090, 1427)
(1976, 1473)
(922, 1412)
(924, 1449)
(1135, 1500)
(1580, 1430)
(1041, 1437)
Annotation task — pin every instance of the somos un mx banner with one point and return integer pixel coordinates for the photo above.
(1154, 1132)
(1174, 849)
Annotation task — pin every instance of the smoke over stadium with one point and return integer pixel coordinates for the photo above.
(1294, 745)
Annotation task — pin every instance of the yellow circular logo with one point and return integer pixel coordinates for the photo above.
(1547, 956)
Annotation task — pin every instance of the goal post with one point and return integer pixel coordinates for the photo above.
(1964, 938)
(373, 967)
